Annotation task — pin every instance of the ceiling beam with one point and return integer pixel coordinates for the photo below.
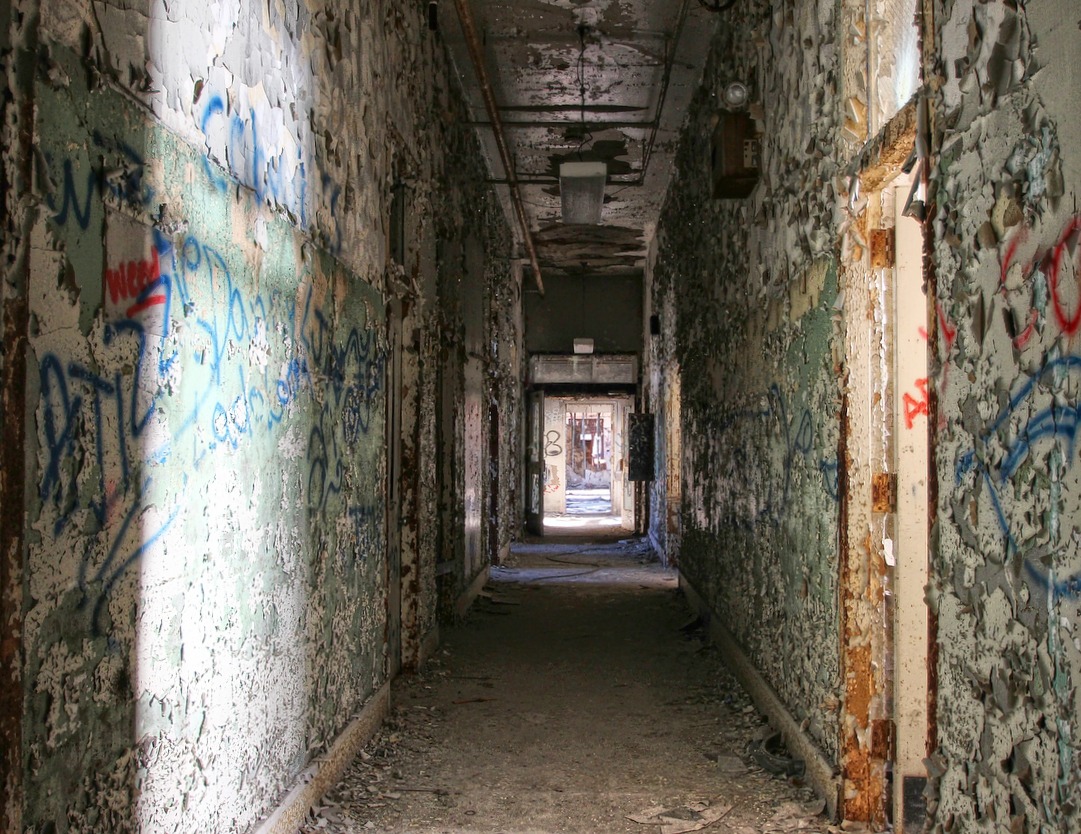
(567, 123)
(571, 108)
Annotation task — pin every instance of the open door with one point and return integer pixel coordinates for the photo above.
(910, 551)
(534, 511)
(493, 484)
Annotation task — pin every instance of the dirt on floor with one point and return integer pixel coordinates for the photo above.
(578, 695)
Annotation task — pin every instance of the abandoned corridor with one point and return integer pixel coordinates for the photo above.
(580, 690)
(313, 310)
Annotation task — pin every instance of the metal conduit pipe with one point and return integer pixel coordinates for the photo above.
(465, 15)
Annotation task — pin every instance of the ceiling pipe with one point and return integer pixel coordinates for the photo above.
(465, 14)
(669, 59)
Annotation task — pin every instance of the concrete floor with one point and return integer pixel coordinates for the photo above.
(577, 692)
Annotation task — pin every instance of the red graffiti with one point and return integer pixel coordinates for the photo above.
(1067, 240)
(130, 280)
(947, 328)
(1021, 339)
(915, 407)
(949, 336)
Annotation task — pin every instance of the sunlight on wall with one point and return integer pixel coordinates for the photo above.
(221, 656)
(894, 59)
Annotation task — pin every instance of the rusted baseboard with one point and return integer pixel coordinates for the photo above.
(327, 770)
(820, 773)
(472, 592)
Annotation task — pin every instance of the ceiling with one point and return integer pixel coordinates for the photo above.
(581, 80)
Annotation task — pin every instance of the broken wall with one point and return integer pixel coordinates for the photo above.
(1007, 540)
(205, 568)
(746, 292)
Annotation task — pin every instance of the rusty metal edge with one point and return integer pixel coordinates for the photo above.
(327, 770)
(16, 178)
(820, 772)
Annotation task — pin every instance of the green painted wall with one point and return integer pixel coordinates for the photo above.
(205, 597)
(745, 291)
(207, 560)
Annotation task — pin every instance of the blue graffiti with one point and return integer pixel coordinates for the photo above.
(1057, 421)
(125, 182)
(247, 160)
(793, 437)
(1068, 588)
(80, 207)
(118, 561)
(99, 422)
(257, 163)
(798, 442)
(830, 470)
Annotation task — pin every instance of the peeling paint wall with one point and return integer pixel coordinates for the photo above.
(773, 316)
(1007, 560)
(747, 296)
(663, 396)
(207, 279)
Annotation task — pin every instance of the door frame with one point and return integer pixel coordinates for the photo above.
(394, 488)
(534, 468)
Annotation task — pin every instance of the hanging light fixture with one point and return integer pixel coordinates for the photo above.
(581, 183)
(581, 191)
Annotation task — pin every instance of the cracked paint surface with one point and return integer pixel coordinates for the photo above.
(1007, 552)
(206, 578)
(749, 308)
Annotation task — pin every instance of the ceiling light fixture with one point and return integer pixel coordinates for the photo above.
(581, 191)
(581, 183)
(716, 5)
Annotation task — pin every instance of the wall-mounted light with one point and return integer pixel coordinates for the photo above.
(581, 191)
(583, 346)
(735, 95)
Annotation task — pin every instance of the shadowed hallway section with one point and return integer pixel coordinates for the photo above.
(303, 332)
(577, 692)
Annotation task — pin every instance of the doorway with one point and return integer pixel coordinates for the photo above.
(885, 528)
(578, 461)
(588, 470)
(907, 546)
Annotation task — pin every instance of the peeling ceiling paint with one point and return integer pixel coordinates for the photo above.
(598, 80)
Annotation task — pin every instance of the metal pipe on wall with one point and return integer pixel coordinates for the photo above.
(465, 15)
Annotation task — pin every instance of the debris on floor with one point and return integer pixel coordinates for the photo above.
(693, 816)
(580, 704)
(772, 756)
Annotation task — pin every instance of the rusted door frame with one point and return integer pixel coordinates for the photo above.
(534, 468)
(16, 179)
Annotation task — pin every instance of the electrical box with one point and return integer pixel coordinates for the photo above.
(736, 156)
(641, 429)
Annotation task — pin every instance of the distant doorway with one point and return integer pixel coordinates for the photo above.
(589, 444)
(583, 463)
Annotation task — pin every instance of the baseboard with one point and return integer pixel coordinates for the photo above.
(472, 592)
(820, 772)
(326, 770)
